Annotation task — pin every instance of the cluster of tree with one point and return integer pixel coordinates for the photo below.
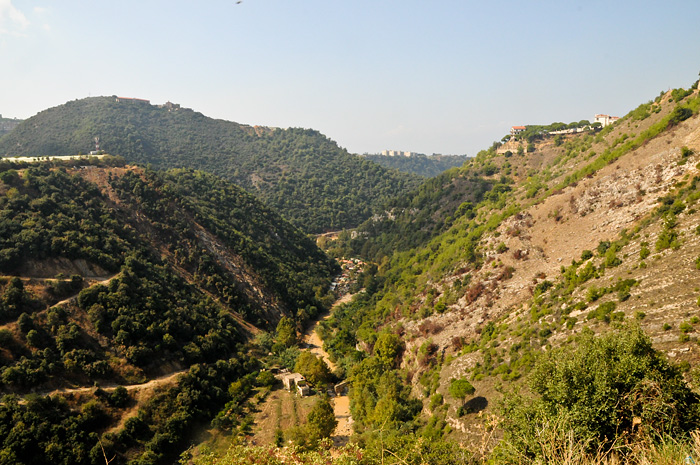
(50, 213)
(299, 172)
(288, 263)
(15, 300)
(50, 430)
(387, 417)
(420, 164)
(535, 132)
(603, 392)
(412, 220)
(148, 314)
(152, 315)
(168, 423)
(47, 430)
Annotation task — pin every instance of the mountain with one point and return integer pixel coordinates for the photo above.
(570, 238)
(304, 175)
(422, 165)
(538, 303)
(116, 275)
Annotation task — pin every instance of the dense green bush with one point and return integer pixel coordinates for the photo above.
(607, 390)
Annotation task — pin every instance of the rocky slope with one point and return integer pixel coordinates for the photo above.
(555, 252)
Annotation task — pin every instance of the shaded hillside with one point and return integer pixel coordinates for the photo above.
(114, 275)
(588, 231)
(180, 253)
(299, 172)
(413, 219)
(422, 165)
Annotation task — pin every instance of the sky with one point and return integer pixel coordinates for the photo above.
(440, 76)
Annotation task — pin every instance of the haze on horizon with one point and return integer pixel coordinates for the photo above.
(432, 77)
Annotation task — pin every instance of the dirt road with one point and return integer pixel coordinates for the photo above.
(165, 379)
(341, 404)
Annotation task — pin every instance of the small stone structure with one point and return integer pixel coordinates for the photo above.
(341, 388)
(294, 381)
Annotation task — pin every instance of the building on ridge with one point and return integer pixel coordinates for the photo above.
(605, 120)
(515, 130)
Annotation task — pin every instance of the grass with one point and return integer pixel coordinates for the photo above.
(558, 447)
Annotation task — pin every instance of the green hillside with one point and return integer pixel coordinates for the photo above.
(536, 305)
(114, 275)
(571, 280)
(304, 175)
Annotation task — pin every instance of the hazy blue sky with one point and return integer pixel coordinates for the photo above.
(426, 76)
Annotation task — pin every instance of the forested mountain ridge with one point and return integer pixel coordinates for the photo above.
(304, 175)
(422, 165)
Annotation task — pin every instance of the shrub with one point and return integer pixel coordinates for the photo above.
(602, 392)
(603, 312)
(436, 400)
(119, 397)
(667, 238)
(644, 252)
(611, 259)
(678, 115)
(542, 287)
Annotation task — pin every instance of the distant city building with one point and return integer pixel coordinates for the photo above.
(514, 130)
(605, 120)
(398, 153)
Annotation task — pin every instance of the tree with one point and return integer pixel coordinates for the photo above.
(321, 421)
(603, 391)
(286, 332)
(387, 348)
(460, 388)
(313, 368)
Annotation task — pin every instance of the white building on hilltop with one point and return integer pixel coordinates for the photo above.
(605, 120)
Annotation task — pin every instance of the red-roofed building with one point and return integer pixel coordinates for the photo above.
(605, 120)
(516, 130)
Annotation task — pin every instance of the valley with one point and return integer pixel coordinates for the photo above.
(531, 305)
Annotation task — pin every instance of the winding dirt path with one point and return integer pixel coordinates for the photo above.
(165, 379)
(341, 404)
